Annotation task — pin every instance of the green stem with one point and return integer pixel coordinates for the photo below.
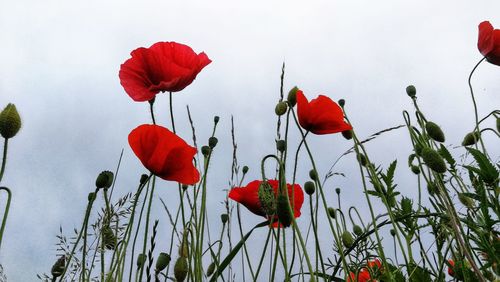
(476, 128)
(4, 159)
(6, 213)
(148, 213)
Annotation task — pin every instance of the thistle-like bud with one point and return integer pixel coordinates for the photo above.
(415, 169)
(284, 215)
(341, 102)
(244, 169)
(347, 239)
(466, 200)
(109, 238)
(216, 119)
(161, 262)
(205, 150)
(434, 131)
(357, 230)
(281, 108)
(411, 91)
(141, 259)
(347, 134)
(224, 218)
(181, 269)
(331, 212)
(313, 174)
(58, 267)
(104, 180)
(362, 159)
(211, 269)
(309, 187)
(292, 96)
(433, 160)
(212, 142)
(10, 121)
(143, 179)
(470, 139)
(281, 145)
(267, 198)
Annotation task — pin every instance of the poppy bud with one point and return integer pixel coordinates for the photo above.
(216, 119)
(393, 232)
(411, 91)
(292, 96)
(465, 200)
(184, 248)
(58, 267)
(162, 261)
(224, 218)
(433, 160)
(91, 197)
(10, 121)
(313, 174)
(143, 179)
(141, 259)
(357, 230)
(281, 108)
(331, 212)
(109, 238)
(362, 159)
(205, 150)
(347, 134)
(281, 145)
(341, 102)
(418, 149)
(284, 214)
(347, 239)
(210, 269)
(104, 180)
(434, 131)
(266, 198)
(337, 190)
(184, 187)
(212, 142)
(415, 169)
(309, 187)
(470, 139)
(245, 169)
(181, 269)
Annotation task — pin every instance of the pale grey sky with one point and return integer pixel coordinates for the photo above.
(59, 64)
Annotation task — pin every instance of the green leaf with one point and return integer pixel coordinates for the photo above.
(447, 156)
(488, 172)
(418, 274)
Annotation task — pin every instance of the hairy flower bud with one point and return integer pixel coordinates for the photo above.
(470, 139)
(357, 230)
(104, 180)
(181, 269)
(347, 134)
(281, 108)
(433, 160)
(309, 187)
(266, 198)
(281, 145)
(162, 261)
(212, 142)
(347, 239)
(411, 91)
(284, 215)
(141, 259)
(58, 267)
(10, 121)
(434, 131)
(292, 96)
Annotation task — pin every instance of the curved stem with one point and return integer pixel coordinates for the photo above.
(6, 213)
(476, 128)
(151, 102)
(4, 158)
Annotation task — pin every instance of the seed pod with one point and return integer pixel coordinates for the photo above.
(433, 160)
(212, 142)
(411, 91)
(466, 201)
(292, 96)
(309, 187)
(205, 150)
(415, 169)
(143, 179)
(357, 230)
(362, 159)
(470, 139)
(347, 134)
(281, 108)
(210, 269)
(161, 262)
(10, 121)
(331, 212)
(284, 215)
(244, 169)
(58, 267)
(181, 269)
(216, 119)
(141, 259)
(224, 218)
(104, 180)
(393, 232)
(347, 239)
(267, 198)
(337, 190)
(281, 145)
(434, 131)
(313, 174)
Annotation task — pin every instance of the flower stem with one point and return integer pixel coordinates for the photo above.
(4, 158)
(6, 213)
(476, 128)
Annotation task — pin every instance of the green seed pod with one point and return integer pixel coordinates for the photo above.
(58, 267)
(244, 169)
(433, 160)
(10, 121)
(211, 269)
(393, 232)
(205, 150)
(415, 169)
(216, 119)
(141, 259)
(309, 187)
(434, 131)
(284, 215)
(337, 190)
(347, 134)
(281, 108)
(341, 102)
(470, 139)
(212, 142)
(161, 262)
(347, 239)
(292, 96)
(357, 230)
(104, 180)
(109, 238)
(362, 159)
(313, 174)
(224, 218)
(181, 269)
(144, 179)
(466, 201)
(331, 212)
(411, 91)
(267, 198)
(281, 145)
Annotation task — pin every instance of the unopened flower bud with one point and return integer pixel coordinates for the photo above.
(341, 102)
(415, 169)
(211, 269)
(267, 198)
(347, 134)
(58, 267)
(433, 160)
(466, 200)
(309, 187)
(470, 139)
(362, 159)
(434, 131)
(284, 215)
(181, 269)
(357, 230)
(337, 190)
(347, 239)
(10, 121)
(313, 174)
(281, 108)
(91, 197)
(244, 169)
(411, 91)
(212, 142)
(331, 212)
(104, 180)
(281, 145)
(224, 218)
(162, 261)
(205, 150)
(292, 96)
(216, 119)
(141, 259)
(144, 179)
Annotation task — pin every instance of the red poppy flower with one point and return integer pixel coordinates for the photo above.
(165, 66)
(373, 263)
(363, 276)
(165, 154)
(321, 115)
(450, 267)
(489, 42)
(248, 196)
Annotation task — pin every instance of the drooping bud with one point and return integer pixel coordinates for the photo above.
(357, 230)
(284, 215)
(466, 200)
(181, 269)
(211, 269)
(281, 108)
(141, 259)
(415, 169)
(347, 239)
(205, 150)
(281, 145)
(331, 212)
(266, 198)
(313, 174)
(109, 238)
(434, 131)
(347, 134)
(212, 142)
(309, 187)
(58, 267)
(224, 218)
(470, 139)
(161, 262)
(143, 179)
(104, 180)
(433, 160)
(10, 121)
(216, 119)
(244, 169)
(411, 91)
(341, 102)
(292, 96)
(362, 159)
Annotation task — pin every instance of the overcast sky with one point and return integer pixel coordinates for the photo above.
(59, 63)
